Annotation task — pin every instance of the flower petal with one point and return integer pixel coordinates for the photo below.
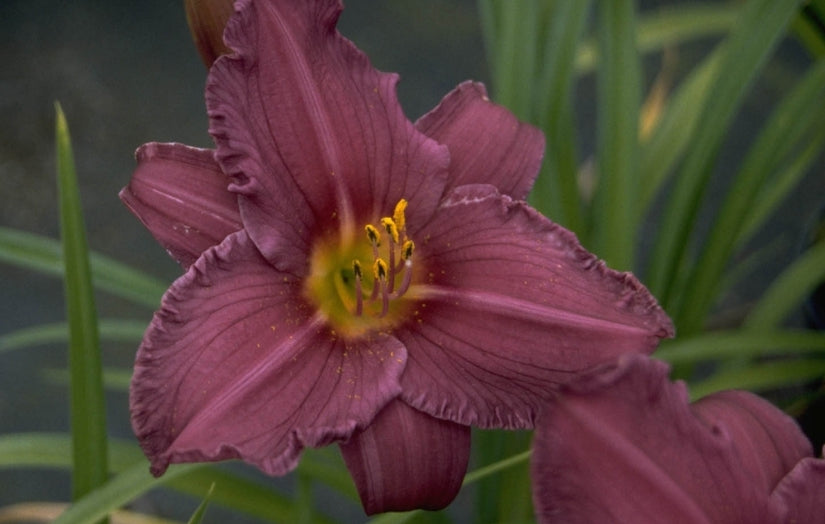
(407, 460)
(308, 128)
(179, 193)
(801, 494)
(514, 307)
(487, 143)
(235, 365)
(769, 441)
(622, 445)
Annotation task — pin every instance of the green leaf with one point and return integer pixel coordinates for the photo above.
(808, 27)
(328, 468)
(761, 377)
(618, 97)
(514, 52)
(751, 41)
(87, 403)
(556, 192)
(122, 488)
(671, 135)
(780, 186)
(251, 498)
(54, 450)
(739, 344)
(50, 450)
(43, 254)
(790, 126)
(238, 493)
(197, 517)
(669, 26)
(789, 290)
(116, 379)
(492, 469)
(110, 330)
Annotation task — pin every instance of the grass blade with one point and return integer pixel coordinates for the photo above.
(50, 450)
(556, 192)
(44, 254)
(122, 488)
(670, 26)
(789, 289)
(54, 450)
(110, 330)
(670, 137)
(738, 344)
(87, 404)
(618, 95)
(790, 125)
(761, 377)
(780, 186)
(135, 480)
(751, 41)
(197, 516)
(514, 51)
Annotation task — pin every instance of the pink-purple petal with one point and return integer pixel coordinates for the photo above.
(310, 131)
(622, 444)
(180, 194)
(513, 307)
(407, 459)
(800, 496)
(236, 365)
(487, 143)
(769, 442)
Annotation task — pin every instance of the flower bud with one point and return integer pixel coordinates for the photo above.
(207, 19)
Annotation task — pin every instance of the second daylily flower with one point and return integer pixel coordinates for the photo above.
(622, 444)
(364, 280)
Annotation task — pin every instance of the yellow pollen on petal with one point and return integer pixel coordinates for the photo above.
(354, 302)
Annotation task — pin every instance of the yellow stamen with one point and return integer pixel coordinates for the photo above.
(373, 235)
(407, 250)
(357, 299)
(398, 215)
(379, 269)
(391, 227)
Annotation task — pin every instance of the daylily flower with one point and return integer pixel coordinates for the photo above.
(623, 444)
(363, 280)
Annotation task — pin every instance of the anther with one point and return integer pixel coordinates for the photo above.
(407, 250)
(391, 227)
(398, 215)
(374, 237)
(379, 269)
(392, 231)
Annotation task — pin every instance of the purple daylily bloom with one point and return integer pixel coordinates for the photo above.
(363, 280)
(623, 444)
